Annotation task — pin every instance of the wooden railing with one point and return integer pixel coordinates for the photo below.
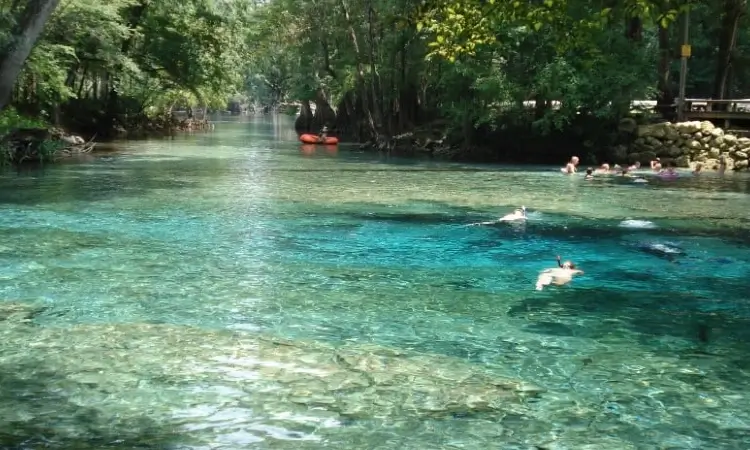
(705, 108)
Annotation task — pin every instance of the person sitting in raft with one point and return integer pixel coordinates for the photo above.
(571, 166)
(560, 275)
(589, 174)
(323, 134)
(518, 214)
(656, 165)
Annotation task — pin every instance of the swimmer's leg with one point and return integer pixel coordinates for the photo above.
(545, 279)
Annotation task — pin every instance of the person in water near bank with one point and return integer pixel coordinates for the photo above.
(518, 214)
(589, 174)
(560, 275)
(698, 168)
(656, 165)
(571, 166)
(604, 168)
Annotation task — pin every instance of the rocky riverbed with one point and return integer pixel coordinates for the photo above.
(689, 143)
(90, 386)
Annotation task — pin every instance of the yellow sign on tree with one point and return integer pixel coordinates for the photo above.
(685, 51)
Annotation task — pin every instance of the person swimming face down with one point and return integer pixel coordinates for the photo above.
(518, 214)
(558, 276)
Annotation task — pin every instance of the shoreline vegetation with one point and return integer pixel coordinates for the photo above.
(530, 83)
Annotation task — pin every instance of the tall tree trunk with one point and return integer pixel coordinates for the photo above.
(13, 55)
(634, 29)
(136, 14)
(666, 97)
(733, 11)
(360, 73)
(374, 76)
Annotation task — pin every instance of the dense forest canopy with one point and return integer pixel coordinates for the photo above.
(474, 63)
(371, 68)
(109, 63)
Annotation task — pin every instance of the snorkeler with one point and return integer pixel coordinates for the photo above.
(558, 276)
(518, 214)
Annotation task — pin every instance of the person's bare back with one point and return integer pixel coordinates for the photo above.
(571, 166)
(558, 276)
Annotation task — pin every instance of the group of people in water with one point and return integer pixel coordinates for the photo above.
(664, 171)
(565, 271)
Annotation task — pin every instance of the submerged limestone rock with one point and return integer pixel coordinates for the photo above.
(688, 143)
(18, 312)
(107, 378)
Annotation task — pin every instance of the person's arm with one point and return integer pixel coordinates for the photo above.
(559, 263)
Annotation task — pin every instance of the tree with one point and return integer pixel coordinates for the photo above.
(28, 24)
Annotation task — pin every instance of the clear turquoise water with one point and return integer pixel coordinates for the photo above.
(163, 276)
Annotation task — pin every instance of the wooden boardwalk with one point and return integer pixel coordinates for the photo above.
(708, 109)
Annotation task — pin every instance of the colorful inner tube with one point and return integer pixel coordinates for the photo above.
(315, 139)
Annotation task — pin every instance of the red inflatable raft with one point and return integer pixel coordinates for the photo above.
(314, 139)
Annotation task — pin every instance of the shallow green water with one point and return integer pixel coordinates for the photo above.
(234, 290)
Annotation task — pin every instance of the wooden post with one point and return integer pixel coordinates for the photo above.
(684, 54)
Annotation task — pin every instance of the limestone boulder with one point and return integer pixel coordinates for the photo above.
(646, 157)
(653, 142)
(674, 152)
(707, 127)
(671, 133)
(628, 125)
(682, 161)
(653, 130)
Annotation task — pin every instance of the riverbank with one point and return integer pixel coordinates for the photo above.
(685, 144)
(26, 140)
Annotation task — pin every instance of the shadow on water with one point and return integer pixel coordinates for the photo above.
(37, 414)
(596, 313)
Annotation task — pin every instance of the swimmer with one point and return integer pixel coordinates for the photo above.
(656, 165)
(625, 173)
(558, 276)
(589, 174)
(722, 164)
(604, 168)
(670, 171)
(698, 168)
(571, 166)
(635, 166)
(518, 214)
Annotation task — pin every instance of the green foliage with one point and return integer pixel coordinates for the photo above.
(10, 120)
(133, 57)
